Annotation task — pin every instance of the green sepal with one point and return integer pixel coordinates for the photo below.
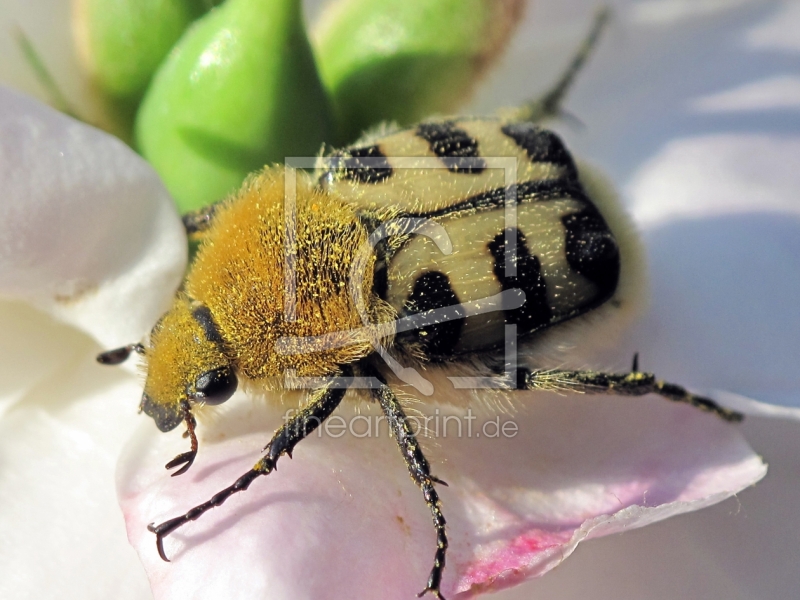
(405, 60)
(239, 90)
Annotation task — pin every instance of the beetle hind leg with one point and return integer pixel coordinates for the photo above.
(634, 383)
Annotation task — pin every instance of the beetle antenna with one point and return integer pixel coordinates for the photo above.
(119, 355)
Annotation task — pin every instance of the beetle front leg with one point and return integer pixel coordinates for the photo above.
(321, 404)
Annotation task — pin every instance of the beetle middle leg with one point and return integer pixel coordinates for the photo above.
(420, 472)
(321, 404)
(634, 383)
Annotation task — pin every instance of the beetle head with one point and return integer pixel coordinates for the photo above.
(186, 365)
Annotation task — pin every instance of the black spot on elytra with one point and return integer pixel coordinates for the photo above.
(536, 312)
(364, 165)
(458, 151)
(433, 292)
(541, 145)
(592, 251)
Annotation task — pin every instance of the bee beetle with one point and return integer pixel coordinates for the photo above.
(422, 246)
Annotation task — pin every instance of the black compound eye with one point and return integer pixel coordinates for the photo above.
(216, 386)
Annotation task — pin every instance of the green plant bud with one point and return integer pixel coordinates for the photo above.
(122, 42)
(404, 60)
(239, 90)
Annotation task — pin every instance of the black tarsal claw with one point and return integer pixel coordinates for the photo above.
(153, 528)
(162, 531)
(186, 459)
(436, 593)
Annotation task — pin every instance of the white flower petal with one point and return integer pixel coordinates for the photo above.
(87, 231)
(717, 175)
(750, 407)
(668, 12)
(87, 234)
(780, 92)
(779, 30)
(722, 225)
(33, 348)
(61, 531)
(330, 520)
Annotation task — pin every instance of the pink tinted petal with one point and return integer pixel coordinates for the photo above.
(87, 231)
(743, 548)
(342, 519)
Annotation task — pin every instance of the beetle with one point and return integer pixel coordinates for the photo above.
(422, 246)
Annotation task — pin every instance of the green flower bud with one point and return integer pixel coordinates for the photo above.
(239, 90)
(122, 42)
(404, 60)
